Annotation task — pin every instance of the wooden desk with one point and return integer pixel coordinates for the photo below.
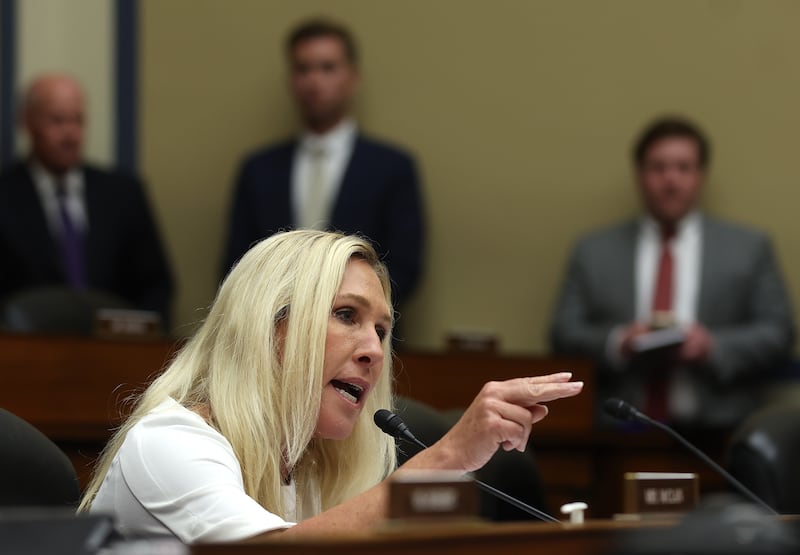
(698, 533)
(577, 461)
(476, 539)
(74, 390)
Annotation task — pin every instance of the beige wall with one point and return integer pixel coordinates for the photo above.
(521, 114)
(74, 37)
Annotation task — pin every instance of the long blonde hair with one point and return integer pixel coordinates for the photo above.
(256, 363)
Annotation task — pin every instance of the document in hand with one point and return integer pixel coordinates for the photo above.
(659, 339)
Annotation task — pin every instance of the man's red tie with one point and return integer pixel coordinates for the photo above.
(658, 383)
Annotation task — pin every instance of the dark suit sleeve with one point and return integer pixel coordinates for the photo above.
(149, 274)
(765, 339)
(260, 201)
(240, 232)
(572, 331)
(405, 241)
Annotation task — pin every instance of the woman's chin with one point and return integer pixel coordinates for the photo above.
(338, 431)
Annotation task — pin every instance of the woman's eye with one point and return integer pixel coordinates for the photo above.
(381, 333)
(344, 314)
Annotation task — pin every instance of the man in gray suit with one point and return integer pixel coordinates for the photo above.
(712, 288)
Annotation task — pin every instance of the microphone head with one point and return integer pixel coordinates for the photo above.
(389, 423)
(381, 417)
(393, 425)
(620, 409)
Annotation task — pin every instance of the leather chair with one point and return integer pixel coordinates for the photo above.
(425, 422)
(33, 470)
(764, 454)
(511, 472)
(56, 310)
(44, 531)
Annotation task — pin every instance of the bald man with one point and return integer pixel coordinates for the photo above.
(66, 223)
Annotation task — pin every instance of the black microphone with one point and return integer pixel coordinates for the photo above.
(393, 425)
(625, 411)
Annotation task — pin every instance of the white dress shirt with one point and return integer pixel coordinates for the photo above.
(687, 256)
(74, 187)
(338, 146)
(175, 474)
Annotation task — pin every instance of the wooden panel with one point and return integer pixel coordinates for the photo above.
(73, 388)
(562, 467)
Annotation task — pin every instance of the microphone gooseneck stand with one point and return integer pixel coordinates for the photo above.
(393, 425)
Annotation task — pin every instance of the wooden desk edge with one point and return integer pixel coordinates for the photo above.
(452, 537)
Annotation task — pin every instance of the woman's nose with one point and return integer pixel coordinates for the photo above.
(370, 351)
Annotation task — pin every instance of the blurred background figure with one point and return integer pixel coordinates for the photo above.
(714, 287)
(331, 176)
(66, 223)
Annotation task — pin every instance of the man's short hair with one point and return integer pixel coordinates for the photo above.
(668, 127)
(319, 28)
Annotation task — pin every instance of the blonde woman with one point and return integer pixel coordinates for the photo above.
(264, 419)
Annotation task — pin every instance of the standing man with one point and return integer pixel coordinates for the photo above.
(331, 176)
(64, 222)
(714, 285)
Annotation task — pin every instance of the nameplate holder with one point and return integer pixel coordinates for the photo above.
(472, 341)
(432, 495)
(660, 492)
(113, 323)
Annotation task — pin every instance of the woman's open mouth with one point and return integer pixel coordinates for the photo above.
(349, 391)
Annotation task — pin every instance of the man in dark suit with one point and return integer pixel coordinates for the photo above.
(713, 288)
(331, 176)
(66, 223)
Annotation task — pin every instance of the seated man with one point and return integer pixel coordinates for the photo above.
(715, 287)
(63, 222)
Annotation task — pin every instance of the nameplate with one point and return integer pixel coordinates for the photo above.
(426, 495)
(660, 492)
(112, 323)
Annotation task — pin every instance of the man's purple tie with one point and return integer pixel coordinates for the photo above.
(72, 244)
